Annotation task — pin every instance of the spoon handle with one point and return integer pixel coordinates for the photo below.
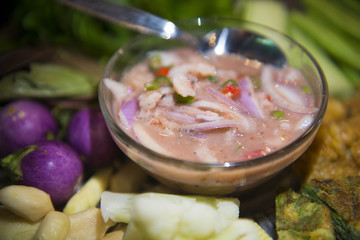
(129, 17)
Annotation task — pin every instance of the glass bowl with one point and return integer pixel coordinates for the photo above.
(219, 178)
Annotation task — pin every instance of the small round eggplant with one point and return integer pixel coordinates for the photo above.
(54, 167)
(23, 123)
(89, 136)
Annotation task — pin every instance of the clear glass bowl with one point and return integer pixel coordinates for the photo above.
(203, 178)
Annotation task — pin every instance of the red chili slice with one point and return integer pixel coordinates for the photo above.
(231, 90)
(164, 71)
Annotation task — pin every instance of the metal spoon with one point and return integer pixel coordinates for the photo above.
(227, 40)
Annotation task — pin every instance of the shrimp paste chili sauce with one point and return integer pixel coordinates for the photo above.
(212, 109)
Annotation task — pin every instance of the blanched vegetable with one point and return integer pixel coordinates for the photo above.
(89, 136)
(156, 216)
(54, 226)
(87, 225)
(89, 194)
(164, 216)
(13, 226)
(51, 166)
(23, 123)
(114, 235)
(128, 179)
(27, 202)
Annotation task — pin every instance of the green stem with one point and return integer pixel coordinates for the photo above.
(13, 161)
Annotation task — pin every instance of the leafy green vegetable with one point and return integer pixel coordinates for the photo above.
(336, 13)
(45, 81)
(339, 84)
(334, 43)
(39, 22)
(258, 12)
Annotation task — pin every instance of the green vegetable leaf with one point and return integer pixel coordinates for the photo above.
(154, 62)
(181, 99)
(159, 81)
(212, 78)
(277, 114)
(338, 46)
(47, 80)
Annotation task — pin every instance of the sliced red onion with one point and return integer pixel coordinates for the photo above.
(269, 87)
(229, 102)
(217, 125)
(209, 116)
(304, 122)
(217, 107)
(180, 117)
(145, 139)
(291, 94)
(118, 89)
(204, 155)
(196, 134)
(128, 112)
(248, 98)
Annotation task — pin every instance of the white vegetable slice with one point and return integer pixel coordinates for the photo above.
(167, 216)
(116, 207)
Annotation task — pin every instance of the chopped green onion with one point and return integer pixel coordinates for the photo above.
(181, 99)
(152, 85)
(155, 62)
(306, 89)
(159, 81)
(230, 81)
(256, 82)
(163, 81)
(212, 78)
(278, 114)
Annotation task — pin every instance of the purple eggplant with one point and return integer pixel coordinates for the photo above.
(89, 136)
(52, 166)
(23, 123)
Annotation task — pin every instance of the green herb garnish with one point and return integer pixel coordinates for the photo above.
(155, 62)
(230, 81)
(277, 114)
(181, 99)
(159, 81)
(306, 89)
(212, 79)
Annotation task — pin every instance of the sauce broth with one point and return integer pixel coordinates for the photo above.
(212, 109)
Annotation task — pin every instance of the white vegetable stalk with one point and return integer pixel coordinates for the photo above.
(165, 216)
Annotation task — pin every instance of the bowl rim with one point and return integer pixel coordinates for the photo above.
(155, 156)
